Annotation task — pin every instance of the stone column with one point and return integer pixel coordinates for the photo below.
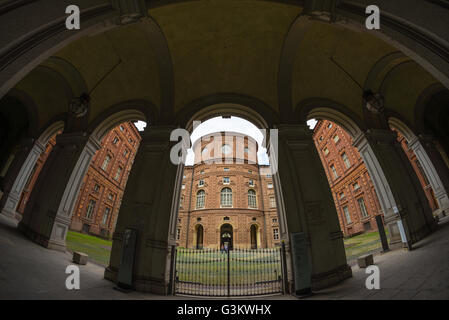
(150, 205)
(48, 212)
(434, 168)
(305, 205)
(397, 186)
(18, 176)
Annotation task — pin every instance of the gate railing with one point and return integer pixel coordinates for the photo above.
(237, 272)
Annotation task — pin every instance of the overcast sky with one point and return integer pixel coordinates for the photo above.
(233, 124)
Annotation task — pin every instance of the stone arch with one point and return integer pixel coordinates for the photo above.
(12, 197)
(427, 159)
(318, 108)
(198, 236)
(227, 104)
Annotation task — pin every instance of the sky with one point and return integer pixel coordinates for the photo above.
(233, 124)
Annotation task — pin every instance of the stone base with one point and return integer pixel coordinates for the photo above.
(328, 279)
(8, 213)
(142, 284)
(80, 258)
(365, 261)
(41, 239)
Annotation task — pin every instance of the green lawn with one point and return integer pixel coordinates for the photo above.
(362, 244)
(99, 250)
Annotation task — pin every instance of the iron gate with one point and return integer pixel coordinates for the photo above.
(237, 272)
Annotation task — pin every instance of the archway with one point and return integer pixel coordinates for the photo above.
(226, 236)
(428, 175)
(380, 155)
(199, 236)
(254, 236)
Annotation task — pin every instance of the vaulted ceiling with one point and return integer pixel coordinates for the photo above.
(265, 51)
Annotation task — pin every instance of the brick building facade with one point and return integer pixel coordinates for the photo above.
(100, 196)
(351, 186)
(99, 200)
(225, 198)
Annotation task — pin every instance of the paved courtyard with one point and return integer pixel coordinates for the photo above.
(29, 271)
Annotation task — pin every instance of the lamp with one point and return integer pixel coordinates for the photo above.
(374, 102)
(79, 105)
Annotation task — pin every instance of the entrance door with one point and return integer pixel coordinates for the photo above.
(226, 235)
(199, 237)
(253, 236)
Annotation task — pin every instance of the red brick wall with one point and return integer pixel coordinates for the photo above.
(324, 134)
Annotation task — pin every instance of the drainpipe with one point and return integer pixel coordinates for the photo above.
(263, 208)
(190, 207)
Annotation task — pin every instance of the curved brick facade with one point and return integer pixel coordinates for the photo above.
(252, 204)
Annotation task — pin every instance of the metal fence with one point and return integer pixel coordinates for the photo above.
(237, 272)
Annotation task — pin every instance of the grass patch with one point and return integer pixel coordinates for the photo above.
(98, 249)
(362, 244)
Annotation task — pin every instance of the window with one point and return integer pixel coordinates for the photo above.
(181, 201)
(342, 195)
(106, 215)
(201, 183)
(336, 138)
(184, 176)
(334, 171)
(326, 151)
(96, 187)
(111, 196)
(226, 197)
(183, 186)
(268, 176)
(329, 125)
(121, 128)
(356, 186)
(347, 215)
(345, 158)
(106, 162)
(274, 220)
(362, 207)
(246, 149)
(270, 186)
(204, 151)
(275, 234)
(118, 173)
(226, 180)
(272, 202)
(226, 169)
(178, 234)
(252, 202)
(250, 171)
(200, 199)
(125, 153)
(202, 171)
(251, 182)
(115, 140)
(226, 149)
(90, 209)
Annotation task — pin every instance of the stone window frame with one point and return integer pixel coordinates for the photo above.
(90, 210)
(272, 200)
(103, 222)
(276, 235)
(347, 215)
(364, 210)
(344, 156)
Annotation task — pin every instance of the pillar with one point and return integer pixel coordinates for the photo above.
(48, 212)
(434, 168)
(150, 206)
(18, 175)
(400, 194)
(305, 205)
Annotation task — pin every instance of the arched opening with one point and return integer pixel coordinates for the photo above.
(254, 236)
(199, 236)
(361, 182)
(226, 237)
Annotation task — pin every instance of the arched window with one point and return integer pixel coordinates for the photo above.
(226, 197)
(200, 199)
(252, 202)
